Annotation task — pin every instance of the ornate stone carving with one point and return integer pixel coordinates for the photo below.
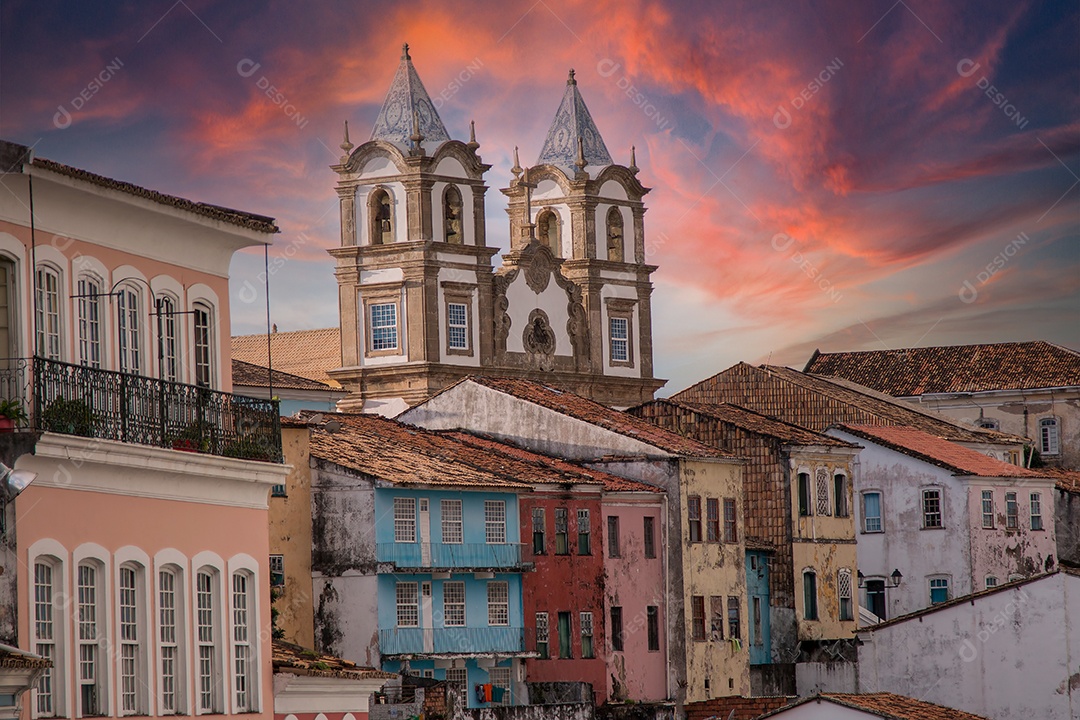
(538, 267)
(573, 123)
(408, 103)
(577, 326)
(501, 307)
(538, 337)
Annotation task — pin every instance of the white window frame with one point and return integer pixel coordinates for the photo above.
(48, 289)
(844, 593)
(170, 339)
(988, 509)
(500, 677)
(202, 344)
(452, 527)
(934, 583)
(495, 522)
(454, 612)
(498, 603)
(880, 517)
(276, 566)
(387, 325)
(585, 623)
(991, 581)
(91, 628)
(457, 328)
(619, 339)
(131, 622)
(209, 683)
(404, 520)
(924, 495)
(244, 628)
(407, 603)
(129, 329)
(458, 678)
(1012, 510)
(1035, 513)
(543, 635)
(48, 633)
(172, 640)
(823, 500)
(90, 320)
(1049, 436)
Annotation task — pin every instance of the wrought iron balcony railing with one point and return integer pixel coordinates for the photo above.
(451, 640)
(450, 555)
(76, 400)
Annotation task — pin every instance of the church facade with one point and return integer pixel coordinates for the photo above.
(421, 303)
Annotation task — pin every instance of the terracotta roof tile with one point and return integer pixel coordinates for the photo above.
(940, 452)
(745, 708)
(890, 706)
(594, 413)
(909, 372)
(1067, 480)
(250, 375)
(749, 420)
(307, 353)
(300, 661)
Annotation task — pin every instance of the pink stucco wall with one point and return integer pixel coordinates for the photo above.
(1000, 551)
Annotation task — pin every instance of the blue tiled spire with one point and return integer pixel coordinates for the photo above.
(573, 121)
(406, 101)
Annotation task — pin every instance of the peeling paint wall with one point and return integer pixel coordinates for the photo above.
(1067, 526)
(290, 536)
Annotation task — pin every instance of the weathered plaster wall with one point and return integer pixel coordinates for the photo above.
(290, 536)
(1067, 526)
(1002, 552)
(1008, 654)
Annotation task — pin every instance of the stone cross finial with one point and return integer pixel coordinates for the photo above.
(405, 52)
(633, 160)
(472, 144)
(570, 80)
(346, 145)
(517, 164)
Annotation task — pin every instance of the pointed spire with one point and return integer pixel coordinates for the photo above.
(346, 145)
(408, 105)
(472, 144)
(633, 160)
(517, 164)
(572, 123)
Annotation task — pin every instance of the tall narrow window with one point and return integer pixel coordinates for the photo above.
(277, 571)
(843, 585)
(382, 218)
(454, 604)
(619, 335)
(1036, 511)
(693, 516)
(1048, 436)
(495, 521)
(45, 639)
(384, 329)
(408, 604)
(1012, 511)
(649, 530)
(822, 489)
(652, 621)
(931, 508)
(542, 632)
(562, 540)
(89, 322)
(939, 590)
(131, 680)
(451, 521)
(613, 536)
(206, 638)
(243, 657)
(840, 495)
(457, 326)
(47, 288)
(585, 621)
(716, 617)
(734, 621)
(458, 678)
(404, 520)
(170, 344)
(872, 512)
(203, 346)
(712, 520)
(498, 602)
(170, 614)
(988, 508)
(616, 628)
(731, 532)
(539, 531)
(584, 533)
(697, 617)
(90, 634)
(452, 215)
(547, 231)
(129, 319)
(614, 235)
(810, 595)
(804, 494)
(500, 678)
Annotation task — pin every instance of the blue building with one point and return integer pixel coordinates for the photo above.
(757, 594)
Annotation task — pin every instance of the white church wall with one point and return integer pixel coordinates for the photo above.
(522, 300)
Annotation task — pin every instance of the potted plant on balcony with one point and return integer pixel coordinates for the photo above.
(250, 447)
(68, 417)
(194, 438)
(11, 415)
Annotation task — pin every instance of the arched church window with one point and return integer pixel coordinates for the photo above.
(615, 235)
(452, 211)
(382, 218)
(547, 231)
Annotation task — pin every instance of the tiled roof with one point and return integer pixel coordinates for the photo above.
(745, 708)
(572, 122)
(909, 372)
(250, 375)
(749, 420)
(300, 661)
(561, 471)
(940, 452)
(1067, 480)
(307, 353)
(889, 706)
(594, 413)
(815, 403)
(402, 454)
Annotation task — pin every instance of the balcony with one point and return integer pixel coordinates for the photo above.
(451, 556)
(452, 641)
(76, 400)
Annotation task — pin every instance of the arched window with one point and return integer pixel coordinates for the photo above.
(1048, 436)
(171, 638)
(615, 235)
(381, 209)
(452, 215)
(547, 231)
(129, 319)
(810, 595)
(131, 622)
(170, 339)
(47, 628)
(8, 330)
(91, 630)
(243, 617)
(47, 290)
(207, 640)
(89, 307)
(204, 345)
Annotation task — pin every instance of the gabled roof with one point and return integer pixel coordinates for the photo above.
(748, 420)
(909, 372)
(307, 353)
(589, 411)
(938, 451)
(15, 158)
(815, 403)
(573, 121)
(1066, 480)
(247, 374)
(885, 705)
(301, 661)
(405, 100)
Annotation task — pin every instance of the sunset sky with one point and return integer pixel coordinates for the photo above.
(825, 175)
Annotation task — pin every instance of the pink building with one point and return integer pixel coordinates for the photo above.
(139, 570)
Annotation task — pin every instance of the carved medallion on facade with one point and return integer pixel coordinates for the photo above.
(539, 268)
(538, 337)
